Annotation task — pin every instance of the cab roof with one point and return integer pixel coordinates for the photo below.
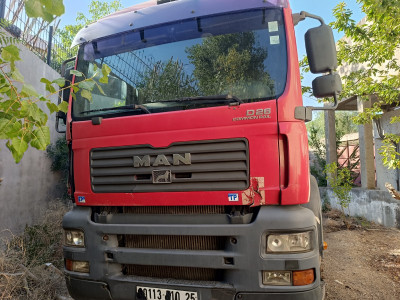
(150, 14)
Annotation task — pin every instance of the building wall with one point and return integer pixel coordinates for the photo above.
(28, 186)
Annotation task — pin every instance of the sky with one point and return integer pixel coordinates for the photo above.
(321, 8)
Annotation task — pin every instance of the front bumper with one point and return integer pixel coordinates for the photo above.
(93, 290)
(241, 262)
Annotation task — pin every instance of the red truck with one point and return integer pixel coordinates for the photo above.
(189, 170)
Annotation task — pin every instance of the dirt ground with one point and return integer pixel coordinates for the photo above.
(362, 262)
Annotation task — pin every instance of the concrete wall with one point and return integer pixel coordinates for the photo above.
(376, 206)
(27, 187)
(383, 174)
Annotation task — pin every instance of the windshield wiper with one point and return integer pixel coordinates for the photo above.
(233, 100)
(125, 107)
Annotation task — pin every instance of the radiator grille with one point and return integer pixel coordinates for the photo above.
(203, 166)
(178, 242)
(180, 273)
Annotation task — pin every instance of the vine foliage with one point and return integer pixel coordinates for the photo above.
(23, 122)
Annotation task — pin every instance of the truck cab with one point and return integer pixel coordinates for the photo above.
(189, 167)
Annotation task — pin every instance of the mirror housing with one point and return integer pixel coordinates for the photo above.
(64, 94)
(327, 86)
(321, 49)
(68, 79)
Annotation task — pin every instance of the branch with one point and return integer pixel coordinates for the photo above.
(395, 194)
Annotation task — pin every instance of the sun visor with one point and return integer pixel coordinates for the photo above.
(131, 19)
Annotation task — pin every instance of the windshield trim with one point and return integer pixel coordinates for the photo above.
(139, 112)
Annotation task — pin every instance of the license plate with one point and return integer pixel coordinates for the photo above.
(151, 293)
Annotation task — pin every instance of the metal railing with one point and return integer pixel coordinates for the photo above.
(38, 35)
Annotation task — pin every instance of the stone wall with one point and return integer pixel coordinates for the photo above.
(374, 205)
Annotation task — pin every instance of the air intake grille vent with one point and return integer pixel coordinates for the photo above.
(191, 166)
(183, 273)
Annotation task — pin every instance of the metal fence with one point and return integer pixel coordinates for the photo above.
(38, 35)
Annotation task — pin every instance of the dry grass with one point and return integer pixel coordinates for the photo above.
(31, 264)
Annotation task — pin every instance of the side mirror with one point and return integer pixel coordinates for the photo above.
(327, 86)
(321, 49)
(322, 58)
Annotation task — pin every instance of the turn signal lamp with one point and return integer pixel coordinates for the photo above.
(304, 277)
(325, 245)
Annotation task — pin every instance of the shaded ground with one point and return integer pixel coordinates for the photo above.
(362, 262)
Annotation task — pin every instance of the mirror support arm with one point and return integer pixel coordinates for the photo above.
(297, 18)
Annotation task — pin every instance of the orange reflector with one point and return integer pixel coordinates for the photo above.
(325, 245)
(69, 265)
(304, 277)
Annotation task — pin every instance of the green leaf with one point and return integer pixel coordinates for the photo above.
(16, 75)
(54, 7)
(52, 107)
(45, 9)
(41, 138)
(59, 81)
(87, 85)
(45, 81)
(5, 88)
(33, 112)
(9, 105)
(76, 73)
(10, 53)
(29, 91)
(105, 70)
(13, 128)
(3, 124)
(86, 94)
(63, 106)
(34, 8)
(18, 148)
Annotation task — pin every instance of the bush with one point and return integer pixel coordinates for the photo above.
(58, 153)
(31, 264)
(341, 182)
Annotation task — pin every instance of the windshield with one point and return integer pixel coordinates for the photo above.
(196, 63)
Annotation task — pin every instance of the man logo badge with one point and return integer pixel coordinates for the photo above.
(162, 176)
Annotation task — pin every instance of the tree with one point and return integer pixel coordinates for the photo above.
(230, 64)
(166, 80)
(22, 122)
(371, 46)
(97, 10)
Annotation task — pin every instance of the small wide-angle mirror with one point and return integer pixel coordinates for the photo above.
(327, 86)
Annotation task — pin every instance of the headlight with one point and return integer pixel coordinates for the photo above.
(294, 242)
(75, 238)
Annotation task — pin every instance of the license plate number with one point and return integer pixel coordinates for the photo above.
(151, 293)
